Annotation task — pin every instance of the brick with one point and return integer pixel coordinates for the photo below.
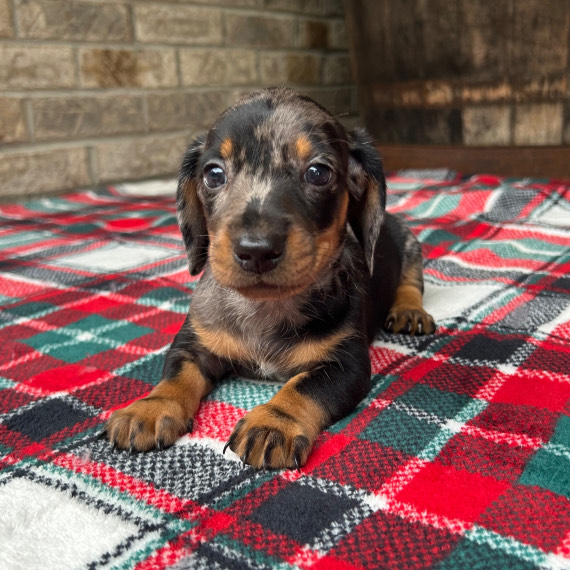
(259, 31)
(338, 38)
(218, 67)
(192, 111)
(24, 174)
(167, 111)
(337, 100)
(487, 126)
(234, 3)
(538, 124)
(139, 158)
(6, 28)
(181, 25)
(334, 8)
(76, 117)
(235, 94)
(12, 123)
(64, 20)
(316, 34)
(300, 69)
(36, 67)
(337, 70)
(298, 6)
(128, 68)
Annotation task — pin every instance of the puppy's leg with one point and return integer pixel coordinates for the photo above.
(281, 433)
(160, 418)
(407, 314)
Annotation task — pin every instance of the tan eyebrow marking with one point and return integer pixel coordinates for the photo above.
(226, 148)
(303, 147)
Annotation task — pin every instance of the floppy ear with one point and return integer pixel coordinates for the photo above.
(190, 211)
(367, 189)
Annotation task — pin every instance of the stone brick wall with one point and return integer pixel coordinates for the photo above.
(95, 92)
(471, 72)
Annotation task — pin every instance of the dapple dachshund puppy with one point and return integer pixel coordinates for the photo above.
(285, 214)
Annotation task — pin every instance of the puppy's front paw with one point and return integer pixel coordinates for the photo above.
(147, 423)
(268, 437)
(409, 319)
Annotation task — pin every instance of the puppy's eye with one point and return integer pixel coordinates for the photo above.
(214, 176)
(318, 174)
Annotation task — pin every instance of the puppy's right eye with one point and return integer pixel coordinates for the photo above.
(214, 176)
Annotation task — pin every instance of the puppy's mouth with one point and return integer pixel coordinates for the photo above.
(268, 292)
(282, 282)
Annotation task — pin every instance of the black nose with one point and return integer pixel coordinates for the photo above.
(259, 254)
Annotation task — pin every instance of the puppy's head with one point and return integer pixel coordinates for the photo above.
(266, 195)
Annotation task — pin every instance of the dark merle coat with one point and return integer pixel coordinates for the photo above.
(284, 212)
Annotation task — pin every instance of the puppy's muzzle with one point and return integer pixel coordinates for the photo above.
(259, 253)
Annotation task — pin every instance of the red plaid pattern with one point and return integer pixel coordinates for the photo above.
(458, 458)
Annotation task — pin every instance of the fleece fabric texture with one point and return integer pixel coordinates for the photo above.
(458, 458)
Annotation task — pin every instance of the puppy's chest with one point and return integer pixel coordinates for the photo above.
(266, 354)
(257, 349)
(267, 341)
(271, 356)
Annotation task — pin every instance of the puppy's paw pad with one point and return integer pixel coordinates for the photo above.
(409, 320)
(146, 424)
(269, 438)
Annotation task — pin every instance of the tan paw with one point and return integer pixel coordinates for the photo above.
(147, 423)
(268, 437)
(410, 320)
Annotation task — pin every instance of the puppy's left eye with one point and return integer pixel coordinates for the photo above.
(214, 176)
(318, 174)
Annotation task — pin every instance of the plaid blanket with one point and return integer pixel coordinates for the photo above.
(458, 458)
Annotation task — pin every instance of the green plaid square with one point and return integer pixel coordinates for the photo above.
(85, 338)
(399, 430)
(469, 555)
(433, 401)
(550, 471)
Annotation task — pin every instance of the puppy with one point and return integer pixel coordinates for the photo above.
(284, 212)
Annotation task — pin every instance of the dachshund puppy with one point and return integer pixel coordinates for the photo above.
(284, 212)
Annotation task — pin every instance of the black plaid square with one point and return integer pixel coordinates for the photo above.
(301, 511)
(46, 418)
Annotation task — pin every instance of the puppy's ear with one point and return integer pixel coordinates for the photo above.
(367, 189)
(190, 211)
